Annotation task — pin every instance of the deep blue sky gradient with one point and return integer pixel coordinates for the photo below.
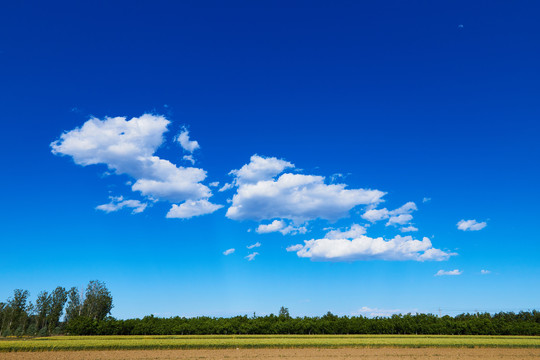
(395, 93)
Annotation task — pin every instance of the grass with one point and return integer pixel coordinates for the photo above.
(62, 343)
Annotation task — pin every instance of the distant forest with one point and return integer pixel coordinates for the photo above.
(74, 312)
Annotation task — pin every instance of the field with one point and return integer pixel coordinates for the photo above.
(281, 354)
(79, 343)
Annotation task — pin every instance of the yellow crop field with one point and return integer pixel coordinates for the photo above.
(65, 343)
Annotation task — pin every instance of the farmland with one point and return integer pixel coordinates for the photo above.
(80, 343)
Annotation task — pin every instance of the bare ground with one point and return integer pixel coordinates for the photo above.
(271, 354)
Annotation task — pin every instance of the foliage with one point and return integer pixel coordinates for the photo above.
(86, 314)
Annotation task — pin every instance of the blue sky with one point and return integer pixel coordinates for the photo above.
(354, 138)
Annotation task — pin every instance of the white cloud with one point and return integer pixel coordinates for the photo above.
(187, 145)
(295, 197)
(366, 248)
(471, 225)
(485, 272)
(118, 202)
(296, 247)
(259, 169)
(449, 273)
(399, 219)
(189, 158)
(214, 184)
(228, 252)
(354, 231)
(257, 244)
(426, 199)
(375, 312)
(408, 229)
(374, 215)
(192, 208)
(128, 147)
(226, 187)
(251, 256)
(282, 227)
(399, 216)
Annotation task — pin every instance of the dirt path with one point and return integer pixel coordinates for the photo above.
(271, 354)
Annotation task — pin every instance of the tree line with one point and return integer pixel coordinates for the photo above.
(75, 312)
(53, 311)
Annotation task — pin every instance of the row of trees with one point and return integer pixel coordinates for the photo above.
(523, 323)
(19, 316)
(86, 313)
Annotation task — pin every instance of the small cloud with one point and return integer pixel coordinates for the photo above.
(192, 208)
(353, 232)
(228, 252)
(280, 226)
(297, 247)
(408, 229)
(118, 202)
(449, 273)
(214, 184)
(485, 272)
(471, 225)
(375, 312)
(189, 158)
(426, 199)
(251, 256)
(186, 144)
(257, 244)
(226, 187)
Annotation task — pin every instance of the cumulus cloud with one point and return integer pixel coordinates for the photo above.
(471, 225)
(257, 244)
(192, 208)
(128, 147)
(185, 143)
(399, 216)
(300, 198)
(259, 169)
(375, 312)
(353, 232)
(449, 273)
(251, 256)
(228, 252)
(118, 202)
(214, 184)
(280, 226)
(485, 272)
(367, 248)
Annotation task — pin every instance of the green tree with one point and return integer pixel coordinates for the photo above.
(74, 305)
(19, 305)
(98, 301)
(43, 304)
(284, 313)
(58, 299)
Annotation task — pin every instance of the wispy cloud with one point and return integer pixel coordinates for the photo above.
(118, 202)
(251, 256)
(449, 273)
